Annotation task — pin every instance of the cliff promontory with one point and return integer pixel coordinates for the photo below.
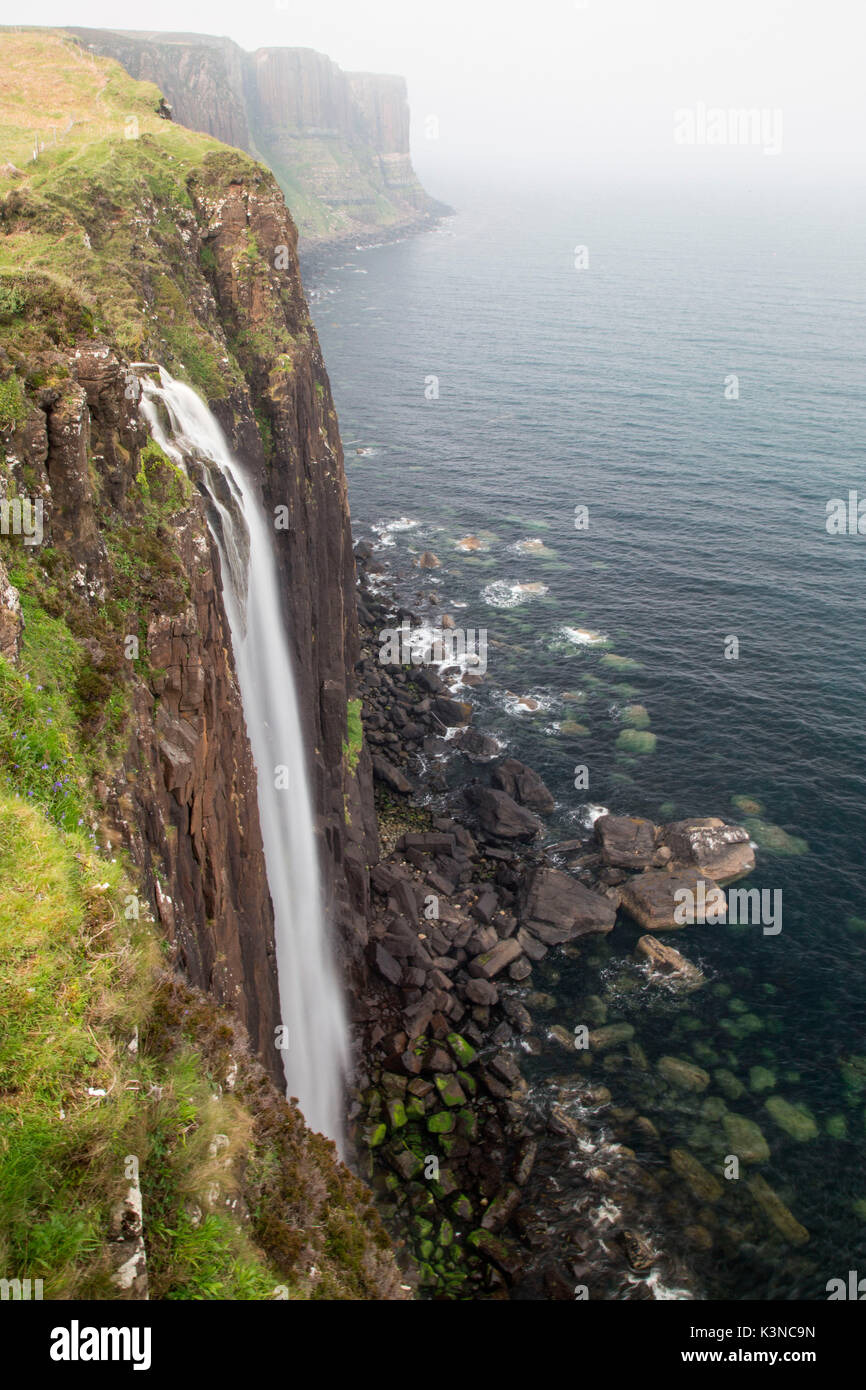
(338, 142)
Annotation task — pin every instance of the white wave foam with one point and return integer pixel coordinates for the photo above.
(583, 636)
(504, 594)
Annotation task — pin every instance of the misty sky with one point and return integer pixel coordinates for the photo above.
(566, 83)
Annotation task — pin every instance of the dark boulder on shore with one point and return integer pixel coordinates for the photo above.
(628, 842)
(383, 771)
(523, 785)
(478, 747)
(556, 907)
(500, 816)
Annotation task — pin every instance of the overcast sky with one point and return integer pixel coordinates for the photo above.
(567, 82)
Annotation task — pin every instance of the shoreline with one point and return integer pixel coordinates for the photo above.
(462, 982)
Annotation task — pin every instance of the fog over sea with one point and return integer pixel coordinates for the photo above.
(605, 387)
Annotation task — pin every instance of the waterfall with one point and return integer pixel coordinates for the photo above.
(311, 1002)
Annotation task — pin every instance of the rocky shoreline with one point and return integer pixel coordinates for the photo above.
(471, 921)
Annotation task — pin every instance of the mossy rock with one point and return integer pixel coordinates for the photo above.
(773, 839)
(620, 663)
(761, 1079)
(745, 1138)
(636, 716)
(450, 1090)
(464, 1054)
(397, 1116)
(442, 1122)
(468, 1122)
(795, 1120)
(462, 1207)
(636, 741)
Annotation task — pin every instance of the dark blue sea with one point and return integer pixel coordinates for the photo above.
(611, 387)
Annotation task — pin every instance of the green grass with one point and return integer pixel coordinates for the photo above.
(39, 713)
(354, 735)
(79, 977)
(13, 406)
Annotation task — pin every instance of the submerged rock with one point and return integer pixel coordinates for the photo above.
(773, 1206)
(684, 1075)
(745, 1138)
(793, 1119)
(610, 1036)
(702, 1184)
(774, 839)
(639, 741)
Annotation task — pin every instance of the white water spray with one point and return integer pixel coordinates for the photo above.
(311, 1001)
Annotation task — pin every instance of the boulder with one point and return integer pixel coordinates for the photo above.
(651, 897)
(721, 851)
(492, 962)
(500, 816)
(383, 771)
(610, 1035)
(773, 1206)
(452, 713)
(665, 961)
(744, 1138)
(684, 1075)
(792, 1119)
(477, 746)
(556, 908)
(702, 1184)
(627, 842)
(523, 785)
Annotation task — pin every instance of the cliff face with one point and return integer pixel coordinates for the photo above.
(181, 795)
(338, 142)
(168, 247)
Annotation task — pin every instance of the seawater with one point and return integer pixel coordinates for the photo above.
(486, 388)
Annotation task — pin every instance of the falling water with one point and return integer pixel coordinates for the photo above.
(311, 1002)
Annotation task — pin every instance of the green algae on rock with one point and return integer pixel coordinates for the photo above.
(795, 1120)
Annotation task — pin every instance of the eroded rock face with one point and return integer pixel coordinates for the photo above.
(182, 797)
(10, 617)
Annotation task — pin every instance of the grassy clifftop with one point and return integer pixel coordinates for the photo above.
(103, 217)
